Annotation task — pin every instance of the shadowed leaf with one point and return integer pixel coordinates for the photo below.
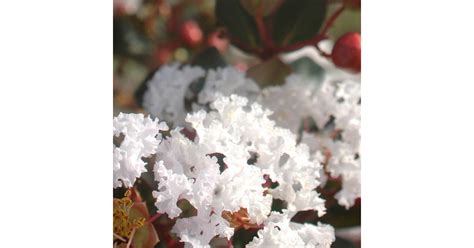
(251, 6)
(296, 21)
(239, 23)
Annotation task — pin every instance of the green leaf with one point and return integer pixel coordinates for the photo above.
(239, 23)
(296, 21)
(251, 6)
(270, 72)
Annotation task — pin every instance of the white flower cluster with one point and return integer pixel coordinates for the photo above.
(141, 138)
(237, 131)
(280, 232)
(227, 81)
(297, 99)
(166, 92)
(341, 142)
(293, 101)
(244, 136)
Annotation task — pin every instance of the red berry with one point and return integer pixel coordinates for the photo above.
(191, 33)
(346, 52)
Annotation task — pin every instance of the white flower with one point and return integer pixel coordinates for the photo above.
(290, 102)
(279, 231)
(189, 170)
(227, 81)
(166, 92)
(277, 153)
(344, 158)
(197, 231)
(140, 139)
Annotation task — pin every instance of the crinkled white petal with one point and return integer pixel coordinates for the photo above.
(344, 157)
(166, 92)
(197, 231)
(141, 138)
(290, 102)
(234, 130)
(227, 81)
(279, 231)
(171, 188)
(278, 155)
(318, 236)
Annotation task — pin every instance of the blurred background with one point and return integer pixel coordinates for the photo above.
(150, 33)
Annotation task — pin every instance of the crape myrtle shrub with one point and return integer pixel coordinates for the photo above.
(246, 130)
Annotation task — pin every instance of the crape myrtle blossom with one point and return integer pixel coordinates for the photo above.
(333, 104)
(140, 139)
(295, 100)
(341, 142)
(166, 92)
(278, 231)
(227, 81)
(168, 88)
(300, 98)
(188, 169)
(340, 99)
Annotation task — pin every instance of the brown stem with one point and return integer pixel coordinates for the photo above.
(269, 48)
(244, 47)
(297, 45)
(262, 29)
(322, 35)
(154, 217)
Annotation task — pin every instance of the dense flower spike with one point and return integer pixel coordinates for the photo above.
(140, 139)
(167, 91)
(188, 170)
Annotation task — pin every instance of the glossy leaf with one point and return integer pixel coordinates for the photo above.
(296, 21)
(240, 24)
(251, 6)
